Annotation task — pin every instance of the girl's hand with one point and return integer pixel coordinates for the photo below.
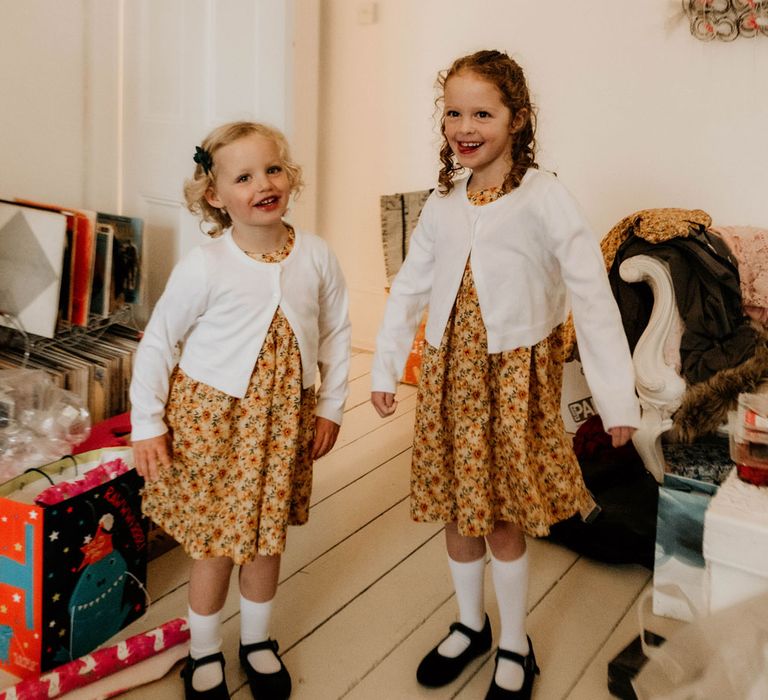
(620, 435)
(326, 432)
(151, 455)
(384, 403)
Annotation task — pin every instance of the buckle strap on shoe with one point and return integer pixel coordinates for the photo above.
(468, 632)
(528, 662)
(259, 646)
(194, 664)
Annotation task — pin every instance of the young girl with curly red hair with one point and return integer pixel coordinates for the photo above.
(497, 247)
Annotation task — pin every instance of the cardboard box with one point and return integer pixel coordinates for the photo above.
(736, 543)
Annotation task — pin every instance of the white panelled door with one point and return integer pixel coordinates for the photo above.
(189, 65)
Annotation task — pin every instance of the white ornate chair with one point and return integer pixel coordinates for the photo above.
(656, 357)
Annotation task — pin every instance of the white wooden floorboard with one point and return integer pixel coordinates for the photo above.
(341, 515)
(360, 391)
(371, 624)
(336, 536)
(343, 465)
(360, 364)
(314, 602)
(364, 592)
(592, 684)
(332, 473)
(395, 675)
(570, 624)
(363, 418)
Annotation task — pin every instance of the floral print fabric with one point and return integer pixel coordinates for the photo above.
(242, 468)
(489, 440)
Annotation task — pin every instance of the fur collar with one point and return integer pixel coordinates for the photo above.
(705, 405)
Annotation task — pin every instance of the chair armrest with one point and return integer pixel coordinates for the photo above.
(660, 387)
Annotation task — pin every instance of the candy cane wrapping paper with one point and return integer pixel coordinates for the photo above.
(100, 663)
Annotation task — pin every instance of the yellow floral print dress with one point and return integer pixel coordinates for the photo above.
(489, 442)
(242, 468)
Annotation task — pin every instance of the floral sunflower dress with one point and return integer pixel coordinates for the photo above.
(489, 440)
(242, 468)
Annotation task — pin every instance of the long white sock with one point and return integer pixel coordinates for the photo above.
(205, 639)
(468, 578)
(254, 627)
(510, 579)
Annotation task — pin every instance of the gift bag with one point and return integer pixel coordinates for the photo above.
(73, 559)
(576, 404)
(399, 216)
(412, 371)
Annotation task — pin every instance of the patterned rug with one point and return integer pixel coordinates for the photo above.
(708, 459)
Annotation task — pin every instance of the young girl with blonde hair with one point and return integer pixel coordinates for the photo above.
(225, 431)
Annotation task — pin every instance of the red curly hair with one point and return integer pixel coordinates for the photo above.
(507, 76)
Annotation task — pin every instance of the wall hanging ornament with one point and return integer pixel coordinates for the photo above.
(725, 20)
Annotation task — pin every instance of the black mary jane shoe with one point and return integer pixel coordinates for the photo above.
(436, 670)
(530, 669)
(219, 692)
(266, 686)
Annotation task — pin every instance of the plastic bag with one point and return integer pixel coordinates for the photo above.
(39, 422)
(723, 655)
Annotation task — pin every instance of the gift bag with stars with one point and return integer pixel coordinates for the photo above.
(73, 559)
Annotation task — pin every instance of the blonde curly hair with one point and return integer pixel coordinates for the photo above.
(202, 181)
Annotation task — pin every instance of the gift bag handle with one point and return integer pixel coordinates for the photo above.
(40, 471)
(75, 463)
(671, 666)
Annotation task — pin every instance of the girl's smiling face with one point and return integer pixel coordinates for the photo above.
(478, 127)
(251, 182)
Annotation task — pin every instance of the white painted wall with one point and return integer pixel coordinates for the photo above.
(59, 91)
(189, 66)
(103, 102)
(42, 73)
(633, 113)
